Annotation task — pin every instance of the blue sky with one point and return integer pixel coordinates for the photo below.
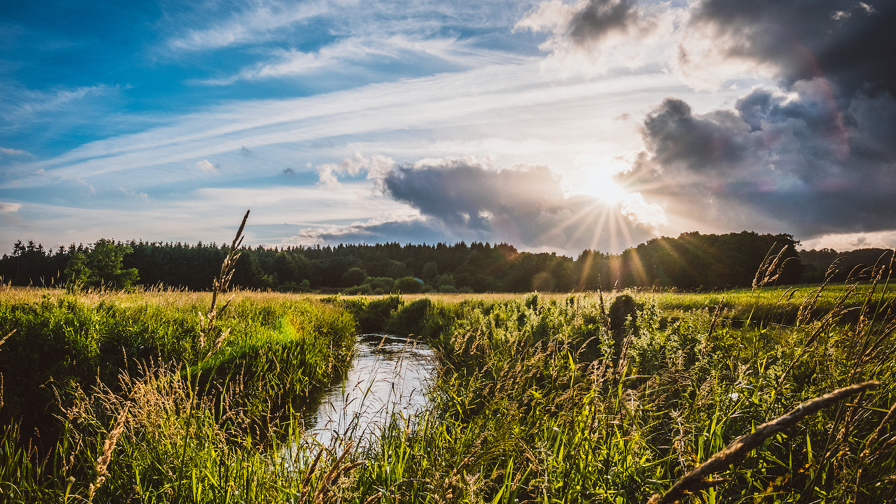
(554, 126)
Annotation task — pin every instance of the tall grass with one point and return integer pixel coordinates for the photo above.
(530, 406)
(197, 427)
(579, 398)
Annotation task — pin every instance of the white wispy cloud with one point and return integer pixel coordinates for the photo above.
(273, 20)
(361, 51)
(13, 152)
(130, 193)
(21, 104)
(259, 23)
(6, 207)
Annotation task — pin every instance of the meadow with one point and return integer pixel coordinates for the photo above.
(152, 396)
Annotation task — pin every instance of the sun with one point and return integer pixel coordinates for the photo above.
(603, 187)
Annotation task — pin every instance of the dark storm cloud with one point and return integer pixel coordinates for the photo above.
(600, 18)
(462, 195)
(793, 163)
(524, 206)
(850, 43)
(816, 156)
(675, 137)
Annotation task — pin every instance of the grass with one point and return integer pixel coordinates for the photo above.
(538, 398)
(195, 420)
(531, 405)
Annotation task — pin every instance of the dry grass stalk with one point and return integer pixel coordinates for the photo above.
(820, 328)
(2, 341)
(877, 431)
(864, 457)
(712, 327)
(771, 268)
(219, 285)
(738, 450)
(310, 472)
(336, 472)
(103, 461)
(373, 498)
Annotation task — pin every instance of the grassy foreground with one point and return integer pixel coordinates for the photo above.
(578, 398)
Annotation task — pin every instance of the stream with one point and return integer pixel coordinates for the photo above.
(389, 374)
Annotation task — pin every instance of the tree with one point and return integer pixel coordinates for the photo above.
(101, 267)
(430, 271)
(353, 277)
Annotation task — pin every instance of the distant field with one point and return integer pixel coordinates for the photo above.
(736, 303)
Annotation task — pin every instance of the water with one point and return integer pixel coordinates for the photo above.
(388, 374)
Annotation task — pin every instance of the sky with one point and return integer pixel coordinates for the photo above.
(555, 126)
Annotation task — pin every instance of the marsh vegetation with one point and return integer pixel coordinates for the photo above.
(595, 397)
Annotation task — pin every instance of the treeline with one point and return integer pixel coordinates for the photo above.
(690, 261)
(841, 266)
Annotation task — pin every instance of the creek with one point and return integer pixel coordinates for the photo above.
(389, 375)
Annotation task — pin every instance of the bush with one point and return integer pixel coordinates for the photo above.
(408, 285)
(358, 289)
(354, 276)
(409, 319)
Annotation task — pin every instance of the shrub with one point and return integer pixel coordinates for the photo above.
(408, 285)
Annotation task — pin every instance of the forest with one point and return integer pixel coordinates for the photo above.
(692, 261)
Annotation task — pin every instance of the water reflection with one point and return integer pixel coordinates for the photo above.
(389, 374)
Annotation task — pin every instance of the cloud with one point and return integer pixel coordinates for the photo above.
(791, 162)
(456, 199)
(361, 51)
(513, 104)
(22, 104)
(375, 166)
(848, 43)
(586, 22)
(810, 157)
(592, 36)
(601, 18)
(130, 193)
(247, 26)
(851, 241)
(13, 152)
(524, 205)
(412, 229)
(206, 166)
(6, 207)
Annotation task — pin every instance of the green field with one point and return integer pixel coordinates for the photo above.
(126, 397)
